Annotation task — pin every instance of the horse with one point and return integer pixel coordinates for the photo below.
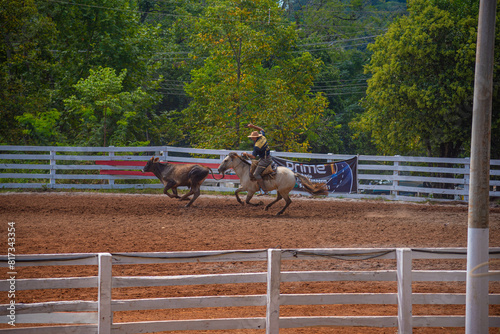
(283, 182)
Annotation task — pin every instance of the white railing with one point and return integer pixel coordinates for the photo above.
(96, 316)
(395, 177)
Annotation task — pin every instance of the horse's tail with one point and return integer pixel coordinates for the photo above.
(312, 188)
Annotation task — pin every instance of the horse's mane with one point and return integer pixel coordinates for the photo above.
(242, 159)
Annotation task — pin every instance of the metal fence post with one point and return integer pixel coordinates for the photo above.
(273, 291)
(105, 315)
(404, 274)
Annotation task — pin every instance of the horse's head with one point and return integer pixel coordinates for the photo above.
(149, 165)
(227, 162)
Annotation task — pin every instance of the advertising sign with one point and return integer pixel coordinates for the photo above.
(340, 176)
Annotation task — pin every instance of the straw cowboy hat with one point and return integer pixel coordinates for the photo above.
(255, 134)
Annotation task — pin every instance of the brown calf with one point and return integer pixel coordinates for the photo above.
(173, 176)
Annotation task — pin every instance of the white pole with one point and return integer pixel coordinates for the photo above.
(476, 311)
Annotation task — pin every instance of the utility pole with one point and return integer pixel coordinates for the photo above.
(476, 313)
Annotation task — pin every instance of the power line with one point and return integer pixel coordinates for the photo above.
(185, 16)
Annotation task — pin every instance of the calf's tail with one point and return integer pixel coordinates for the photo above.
(312, 188)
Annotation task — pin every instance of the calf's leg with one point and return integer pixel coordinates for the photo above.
(171, 184)
(196, 192)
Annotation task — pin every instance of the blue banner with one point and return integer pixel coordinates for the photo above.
(340, 176)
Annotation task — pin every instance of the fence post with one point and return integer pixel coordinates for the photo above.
(164, 154)
(273, 291)
(404, 274)
(105, 316)
(357, 175)
(111, 155)
(466, 179)
(395, 174)
(52, 180)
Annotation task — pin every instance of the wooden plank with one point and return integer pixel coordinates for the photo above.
(188, 302)
(48, 307)
(58, 318)
(25, 176)
(338, 253)
(187, 256)
(25, 156)
(144, 281)
(333, 276)
(439, 275)
(439, 321)
(439, 298)
(213, 165)
(63, 259)
(339, 321)
(151, 175)
(460, 171)
(51, 283)
(78, 329)
(22, 185)
(413, 159)
(441, 253)
(338, 298)
(23, 166)
(193, 325)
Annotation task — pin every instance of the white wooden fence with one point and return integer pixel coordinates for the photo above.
(96, 316)
(394, 177)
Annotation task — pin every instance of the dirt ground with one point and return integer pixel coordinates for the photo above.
(90, 222)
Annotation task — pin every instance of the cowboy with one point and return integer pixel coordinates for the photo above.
(261, 151)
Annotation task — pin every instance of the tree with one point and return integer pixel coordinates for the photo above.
(419, 99)
(104, 114)
(337, 32)
(26, 68)
(109, 34)
(250, 74)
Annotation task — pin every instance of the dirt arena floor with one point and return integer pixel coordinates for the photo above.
(90, 222)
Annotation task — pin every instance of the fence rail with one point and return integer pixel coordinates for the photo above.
(96, 316)
(395, 177)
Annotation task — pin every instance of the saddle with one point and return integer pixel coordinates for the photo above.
(268, 173)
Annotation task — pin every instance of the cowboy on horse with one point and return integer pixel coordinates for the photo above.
(261, 151)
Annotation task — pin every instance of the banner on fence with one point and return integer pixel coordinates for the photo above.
(340, 176)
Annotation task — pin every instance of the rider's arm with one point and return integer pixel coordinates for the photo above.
(258, 128)
(248, 155)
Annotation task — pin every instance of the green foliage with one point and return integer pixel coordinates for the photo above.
(250, 75)
(26, 65)
(419, 99)
(185, 72)
(103, 114)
